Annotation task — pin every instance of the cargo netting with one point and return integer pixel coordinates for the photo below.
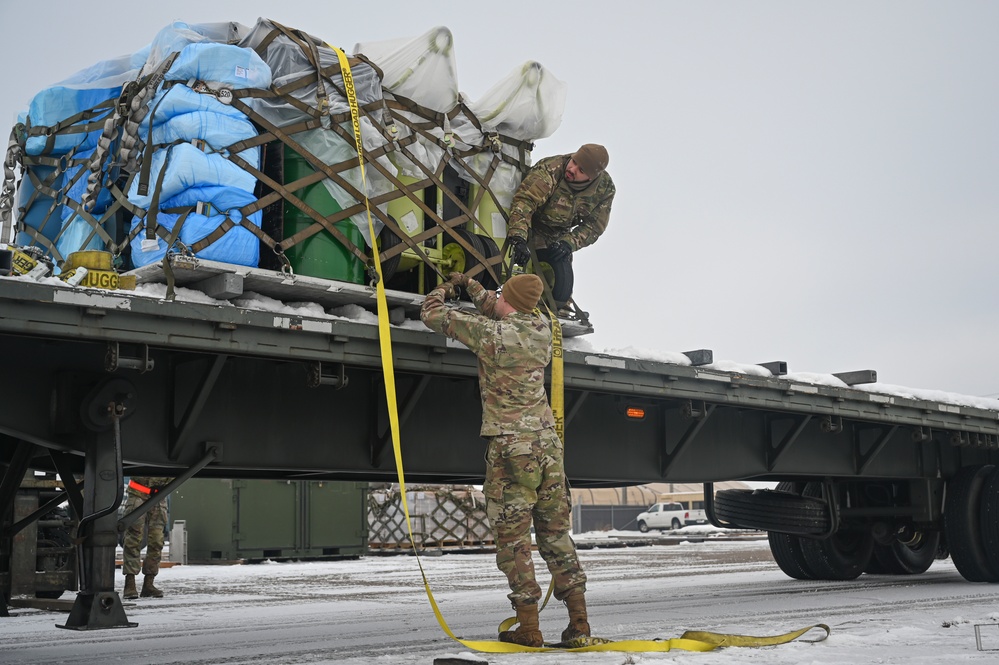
(236, 145)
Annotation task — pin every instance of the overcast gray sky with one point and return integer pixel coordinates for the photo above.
(814, 182)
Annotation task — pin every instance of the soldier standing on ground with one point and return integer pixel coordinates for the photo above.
(563, 204)
(140, 490)
(525, 477)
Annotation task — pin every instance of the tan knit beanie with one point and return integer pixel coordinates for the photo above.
(592, 158)
(523, 292)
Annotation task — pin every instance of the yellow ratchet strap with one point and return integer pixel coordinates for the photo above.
(702, 641)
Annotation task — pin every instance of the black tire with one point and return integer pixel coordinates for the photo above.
(489, 250)
(785, 548)
(990, 518)
(560, 272)
(963, 511)
(386, 241)
(902, 559)
(643, 527)
(675, 524)
(842, 556)
(772, 510)
(874, 566)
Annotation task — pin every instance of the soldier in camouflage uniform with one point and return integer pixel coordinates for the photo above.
(525, 479)
(140, 489)
(565, 201)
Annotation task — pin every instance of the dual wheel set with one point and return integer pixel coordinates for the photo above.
(809, 542)
(558, 274)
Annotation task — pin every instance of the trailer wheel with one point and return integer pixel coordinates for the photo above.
(904, 559)
(990, 518)
(965, 529)
(772, 510)
(842, 556)
(643, 527)
(785, 548)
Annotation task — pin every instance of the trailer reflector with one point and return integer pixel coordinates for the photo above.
(635, 412)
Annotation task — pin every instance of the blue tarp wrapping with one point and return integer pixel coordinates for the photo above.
(180, 114)
(193, 174)
(238, 245)
(35, 205)
(75, 228)
(231, 66)
(189, 167)
(82, 91)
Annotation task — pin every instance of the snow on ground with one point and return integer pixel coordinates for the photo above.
(374, 611)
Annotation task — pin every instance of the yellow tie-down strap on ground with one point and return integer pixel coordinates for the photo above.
(699, 641)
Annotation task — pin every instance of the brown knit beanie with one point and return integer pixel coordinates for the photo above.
(523, 292)
(592, 158)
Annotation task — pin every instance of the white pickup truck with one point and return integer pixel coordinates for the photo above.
(669, 515)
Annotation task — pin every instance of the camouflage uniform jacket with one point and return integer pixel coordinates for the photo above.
(513, 352)
(148, 481)
(546, 202)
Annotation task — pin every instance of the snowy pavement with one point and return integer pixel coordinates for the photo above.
(374, 611)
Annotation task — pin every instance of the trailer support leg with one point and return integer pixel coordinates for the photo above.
(98, 604)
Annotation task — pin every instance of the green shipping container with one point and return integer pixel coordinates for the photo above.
(320, 255)
(235, 520)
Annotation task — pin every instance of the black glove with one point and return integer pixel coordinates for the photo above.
(559, 251)
(519, 252)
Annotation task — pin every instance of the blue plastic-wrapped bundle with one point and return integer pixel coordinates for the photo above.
(238, 245)
(65, 119)
(86, 90)
(77, 233)
(37, 210)
(48, 216)
(191, 132)
(230, 66)
(181, 114)
(188, 166)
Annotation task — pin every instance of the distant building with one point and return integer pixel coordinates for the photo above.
(646, 495)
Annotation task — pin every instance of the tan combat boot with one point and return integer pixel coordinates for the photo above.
(528, 633)
(148, 590)
(578, 622)
(130, 592)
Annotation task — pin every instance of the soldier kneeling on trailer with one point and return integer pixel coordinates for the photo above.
(563, 204)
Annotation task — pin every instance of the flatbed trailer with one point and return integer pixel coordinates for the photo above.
(100, 384)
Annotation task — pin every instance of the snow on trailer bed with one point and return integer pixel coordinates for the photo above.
(223, 281)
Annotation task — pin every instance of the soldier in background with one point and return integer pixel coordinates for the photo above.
(525, 477)
(140, 489)
(563, 204)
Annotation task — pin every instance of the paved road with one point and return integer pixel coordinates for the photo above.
(374, 611)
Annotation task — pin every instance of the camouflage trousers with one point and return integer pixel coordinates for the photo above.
(525, 484)
(153, 523)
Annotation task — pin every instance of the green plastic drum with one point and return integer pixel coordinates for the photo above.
(320, 255)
